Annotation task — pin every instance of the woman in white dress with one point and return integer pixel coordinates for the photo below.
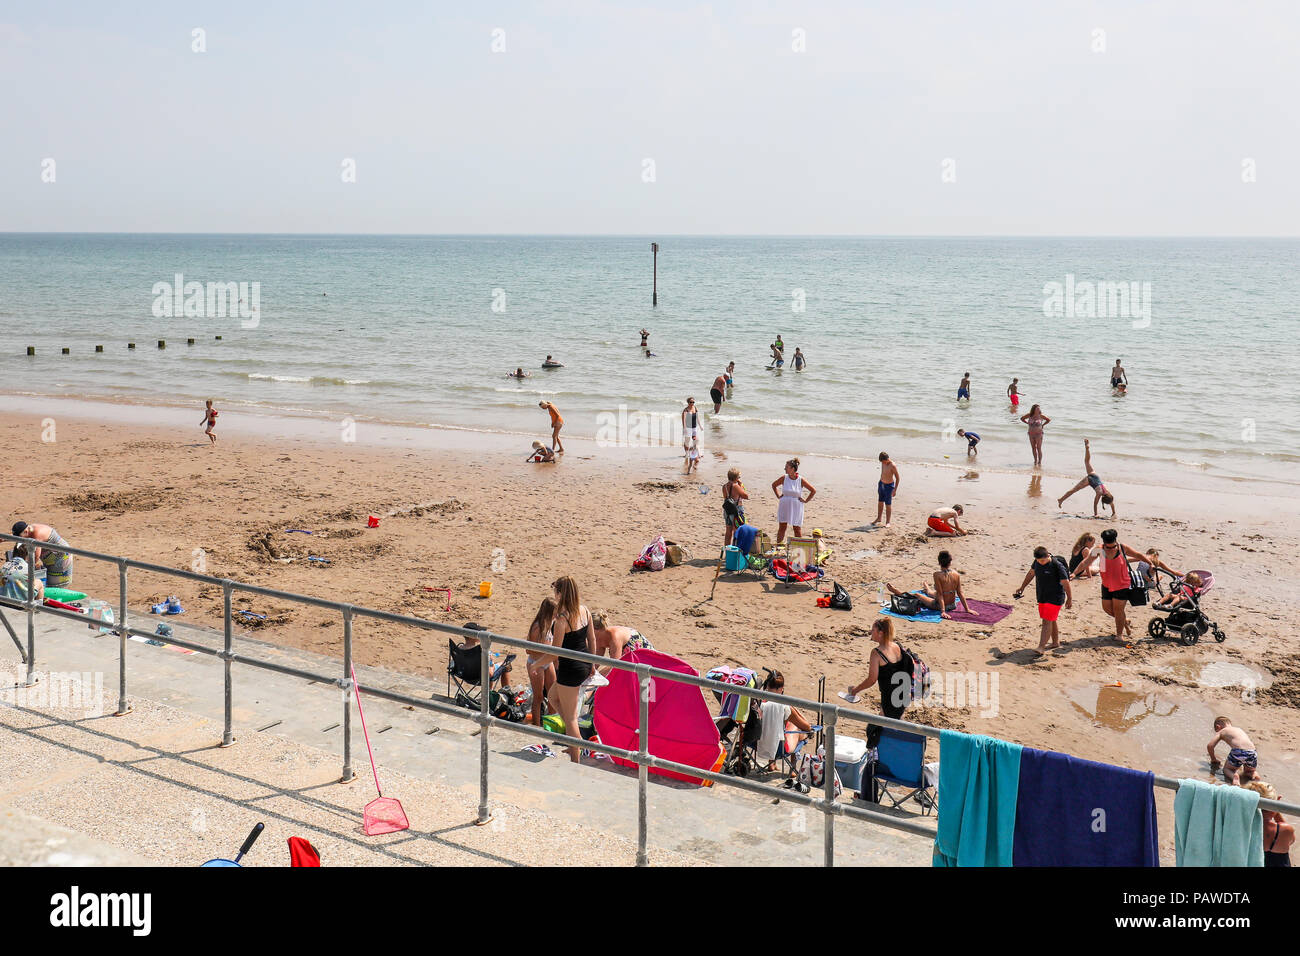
(789, 489)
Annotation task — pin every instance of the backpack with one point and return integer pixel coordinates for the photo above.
(920, 676)
(653, 557)
(840, 599)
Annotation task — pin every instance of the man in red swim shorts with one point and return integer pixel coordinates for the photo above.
(942, 522)
(1052, 586)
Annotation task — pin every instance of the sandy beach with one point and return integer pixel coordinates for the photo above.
(458, 508)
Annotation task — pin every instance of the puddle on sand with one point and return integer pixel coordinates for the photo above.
(1171, 731)
(1216, 673)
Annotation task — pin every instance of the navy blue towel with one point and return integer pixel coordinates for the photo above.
(1072, 812)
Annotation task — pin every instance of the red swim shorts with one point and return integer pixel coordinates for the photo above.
(1049, 612)
(938, 524)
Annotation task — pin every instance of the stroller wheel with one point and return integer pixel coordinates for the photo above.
(1189, 635)
(1219, 635)
(1156, 627)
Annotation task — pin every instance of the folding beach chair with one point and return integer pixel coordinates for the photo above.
(465, 669)
(900, 760)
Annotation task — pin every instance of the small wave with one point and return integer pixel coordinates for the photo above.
(259, 377)
(308, 379)
(788, 423)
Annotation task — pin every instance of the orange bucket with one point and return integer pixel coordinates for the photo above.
(485, 589)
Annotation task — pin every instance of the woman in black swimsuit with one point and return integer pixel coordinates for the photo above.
(574, 631)
(1278, 834)
(891, 668)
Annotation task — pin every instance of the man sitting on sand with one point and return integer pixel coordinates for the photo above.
(947, 589)
(1101, 495)
(1242, 762)
(942, 523)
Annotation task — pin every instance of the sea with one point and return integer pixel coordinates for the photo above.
(423, 331)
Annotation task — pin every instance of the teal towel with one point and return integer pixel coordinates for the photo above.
(979, 780)
(1216, 825)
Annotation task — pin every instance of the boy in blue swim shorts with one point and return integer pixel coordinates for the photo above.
(963, 390)
(1243, 761)
(886, 488)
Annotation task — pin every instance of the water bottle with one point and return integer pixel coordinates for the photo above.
(880, 593)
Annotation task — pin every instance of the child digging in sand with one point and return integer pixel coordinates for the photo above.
(210, 419)
(1242, 760)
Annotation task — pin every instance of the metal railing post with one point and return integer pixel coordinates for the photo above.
(123, 705)
(828, 792)
(485, 693)
(348, 775)
(227, 733)
(31, 615)
(646, 683)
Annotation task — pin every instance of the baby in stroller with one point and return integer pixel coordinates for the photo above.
(1182, 609)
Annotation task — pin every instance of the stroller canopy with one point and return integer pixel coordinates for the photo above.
(681, 727)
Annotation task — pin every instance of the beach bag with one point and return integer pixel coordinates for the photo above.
(1137, 588)
(810, 772)
(869, 786)
(905, 604)
(507, 704)
(840, 599)
(654, 557)
(674, 554)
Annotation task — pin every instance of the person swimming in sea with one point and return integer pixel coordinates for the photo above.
(778, 356)
(551, 363)
(799, 360)
(730, 373)
(519, 373)
(1013, 392)
(963, 390)
(645, 339)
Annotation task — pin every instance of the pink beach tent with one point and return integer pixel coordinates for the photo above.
(681, 726)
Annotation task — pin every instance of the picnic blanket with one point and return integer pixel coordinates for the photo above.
(982, 612)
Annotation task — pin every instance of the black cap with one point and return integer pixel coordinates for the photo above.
(19, 528)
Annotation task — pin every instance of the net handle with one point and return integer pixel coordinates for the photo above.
(357, 689)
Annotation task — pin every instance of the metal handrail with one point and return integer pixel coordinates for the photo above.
(830, 713)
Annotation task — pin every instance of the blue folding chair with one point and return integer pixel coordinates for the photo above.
(900, 761)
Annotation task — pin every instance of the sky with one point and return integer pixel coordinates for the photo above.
(1178, 118)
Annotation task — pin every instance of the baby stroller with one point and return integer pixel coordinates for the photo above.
(1185, 618)
(740, 732)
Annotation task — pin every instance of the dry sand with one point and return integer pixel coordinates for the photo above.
(451, 503)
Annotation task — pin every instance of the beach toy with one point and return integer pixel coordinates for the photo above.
(372, 521)
(164, 630)
(248, 845)
(485, 589)
(321, 560)
(382, 814)
(63, 594)
(1116, 684)
(258, 617)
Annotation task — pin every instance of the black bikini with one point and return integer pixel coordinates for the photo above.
(1276, 859)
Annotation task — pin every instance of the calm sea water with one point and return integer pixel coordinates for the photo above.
(404, 329)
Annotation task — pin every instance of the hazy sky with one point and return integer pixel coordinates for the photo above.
(746, 135)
